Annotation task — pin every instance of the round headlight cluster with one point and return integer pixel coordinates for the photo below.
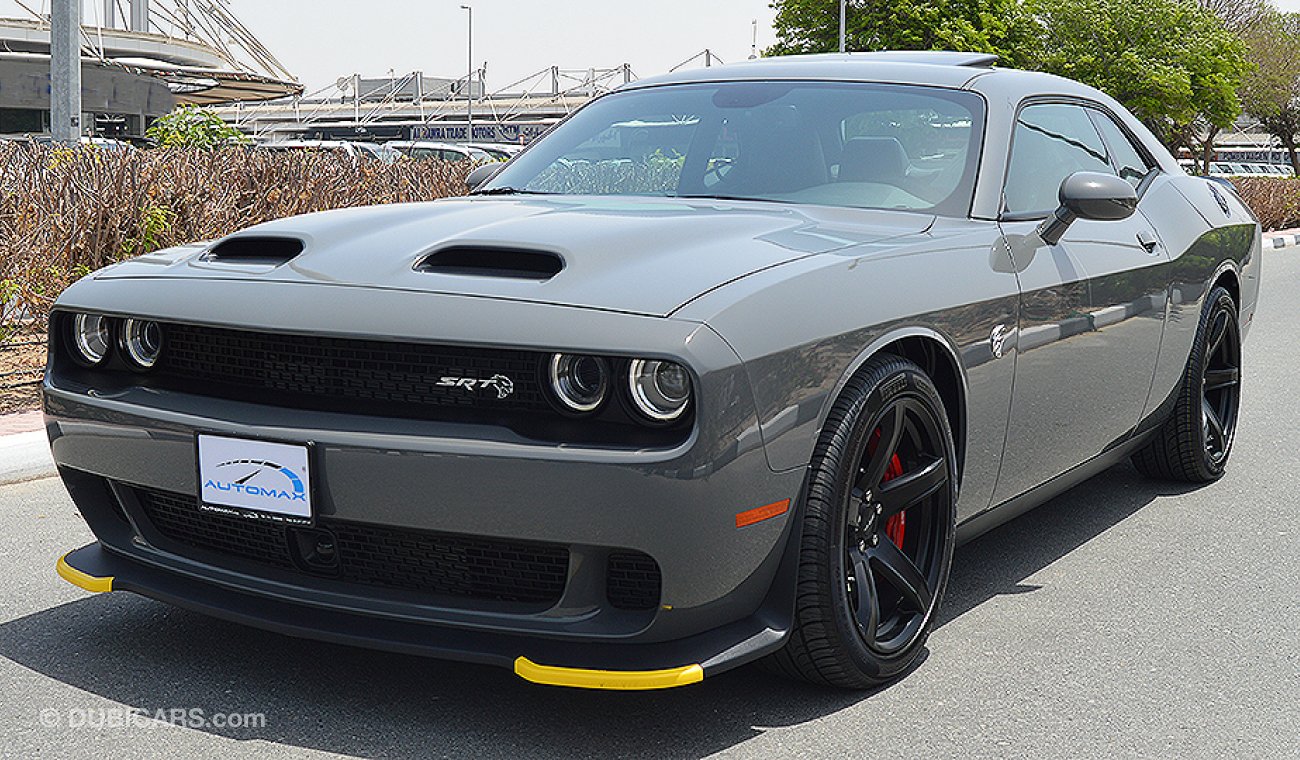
(92, 336)
(139, 340)
(581, 383)
(658, 392)
(142, 341)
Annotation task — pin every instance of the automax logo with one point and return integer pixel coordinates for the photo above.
(289, 488)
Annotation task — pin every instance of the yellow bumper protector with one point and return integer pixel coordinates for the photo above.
(82, 580)
(629, 680)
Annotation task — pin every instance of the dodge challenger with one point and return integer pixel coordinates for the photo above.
(720, 370)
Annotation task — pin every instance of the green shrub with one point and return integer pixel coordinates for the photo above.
(194, 127)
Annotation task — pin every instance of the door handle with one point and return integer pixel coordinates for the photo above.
(1149, 241)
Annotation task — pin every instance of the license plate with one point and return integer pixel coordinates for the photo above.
(255, 478)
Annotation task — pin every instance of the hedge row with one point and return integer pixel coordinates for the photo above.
(1275, 201)
(64, 213)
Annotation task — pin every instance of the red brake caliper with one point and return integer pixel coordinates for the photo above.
(896, 525)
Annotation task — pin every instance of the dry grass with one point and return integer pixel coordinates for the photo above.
(1275, 201)
(64, 213)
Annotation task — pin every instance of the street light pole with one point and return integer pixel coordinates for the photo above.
(843, 7)
(469, 81)
(65, 71)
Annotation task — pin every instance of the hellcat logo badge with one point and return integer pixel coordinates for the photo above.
(503, 385)
(998, 340)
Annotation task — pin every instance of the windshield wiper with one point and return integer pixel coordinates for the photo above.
(710, 196)
(509, 191)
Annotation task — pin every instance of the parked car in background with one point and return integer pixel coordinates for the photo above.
(499, 151)
(722, 368)
(440, 151)
(103, 143)
(357, 151)
(1249, 169)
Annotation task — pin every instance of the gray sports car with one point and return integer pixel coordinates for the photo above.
(721, 369)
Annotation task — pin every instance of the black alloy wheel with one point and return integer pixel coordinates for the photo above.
(877, 531)
(1195, 441)
(1221, 385)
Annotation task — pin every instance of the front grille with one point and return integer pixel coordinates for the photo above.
(632, 581)
(178, 517)
(345, 374)
(435, 563)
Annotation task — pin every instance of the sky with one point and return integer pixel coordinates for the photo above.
(322, 40)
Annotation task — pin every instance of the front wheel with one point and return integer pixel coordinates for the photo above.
(877, 531)
(1194, 443)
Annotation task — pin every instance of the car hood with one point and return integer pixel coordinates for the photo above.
(640, 255)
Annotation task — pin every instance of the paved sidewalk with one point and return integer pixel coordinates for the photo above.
(21, 422)
(24, 448)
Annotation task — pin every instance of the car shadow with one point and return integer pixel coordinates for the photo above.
(153, 657)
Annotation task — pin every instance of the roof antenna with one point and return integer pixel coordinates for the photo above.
(753, 49)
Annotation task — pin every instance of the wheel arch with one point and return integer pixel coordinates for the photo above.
(937, 356)
(1226, 277)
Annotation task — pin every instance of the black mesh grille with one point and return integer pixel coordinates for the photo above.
(632, 581)
(384, 377)
(178, 517)
(456, 565)
(436, 563)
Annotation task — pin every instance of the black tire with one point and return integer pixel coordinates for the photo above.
(889, 404)
(1194, 443)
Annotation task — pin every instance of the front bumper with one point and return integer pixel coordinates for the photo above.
(720, 602)
(609, 666)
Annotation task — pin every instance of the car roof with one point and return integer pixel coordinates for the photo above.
(940, 68)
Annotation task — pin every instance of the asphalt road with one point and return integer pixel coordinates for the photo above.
(1123, 619)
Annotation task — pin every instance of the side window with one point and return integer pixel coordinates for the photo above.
(1051, 141)
(1123, 153)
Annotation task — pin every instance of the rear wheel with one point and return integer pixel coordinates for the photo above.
(1194, 443)
(877, 533)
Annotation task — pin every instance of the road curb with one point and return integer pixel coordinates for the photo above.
(1284, 240)
(25, 456)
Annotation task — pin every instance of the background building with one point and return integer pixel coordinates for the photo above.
(140, 59)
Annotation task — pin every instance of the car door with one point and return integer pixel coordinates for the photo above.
(1092, 306)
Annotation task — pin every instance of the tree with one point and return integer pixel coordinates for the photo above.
(193, 127)
(1173, 63)
(1271, 93)
(981, 26)
(1239, 16)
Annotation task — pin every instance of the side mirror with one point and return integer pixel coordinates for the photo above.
(1089, 195)
(482, 174)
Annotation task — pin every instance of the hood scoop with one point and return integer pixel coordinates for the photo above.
(483, 261)
(250, 249)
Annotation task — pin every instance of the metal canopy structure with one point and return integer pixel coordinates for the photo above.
(198, 48)
(414, 105)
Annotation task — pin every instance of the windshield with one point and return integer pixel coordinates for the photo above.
(856, 145)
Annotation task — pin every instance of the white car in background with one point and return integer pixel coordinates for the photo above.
(499, 151)
(357, 151)
(425, 150)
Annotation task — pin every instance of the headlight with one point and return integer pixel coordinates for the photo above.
(581, 383)
(142, 341)
(91, 336)
(660, 390)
